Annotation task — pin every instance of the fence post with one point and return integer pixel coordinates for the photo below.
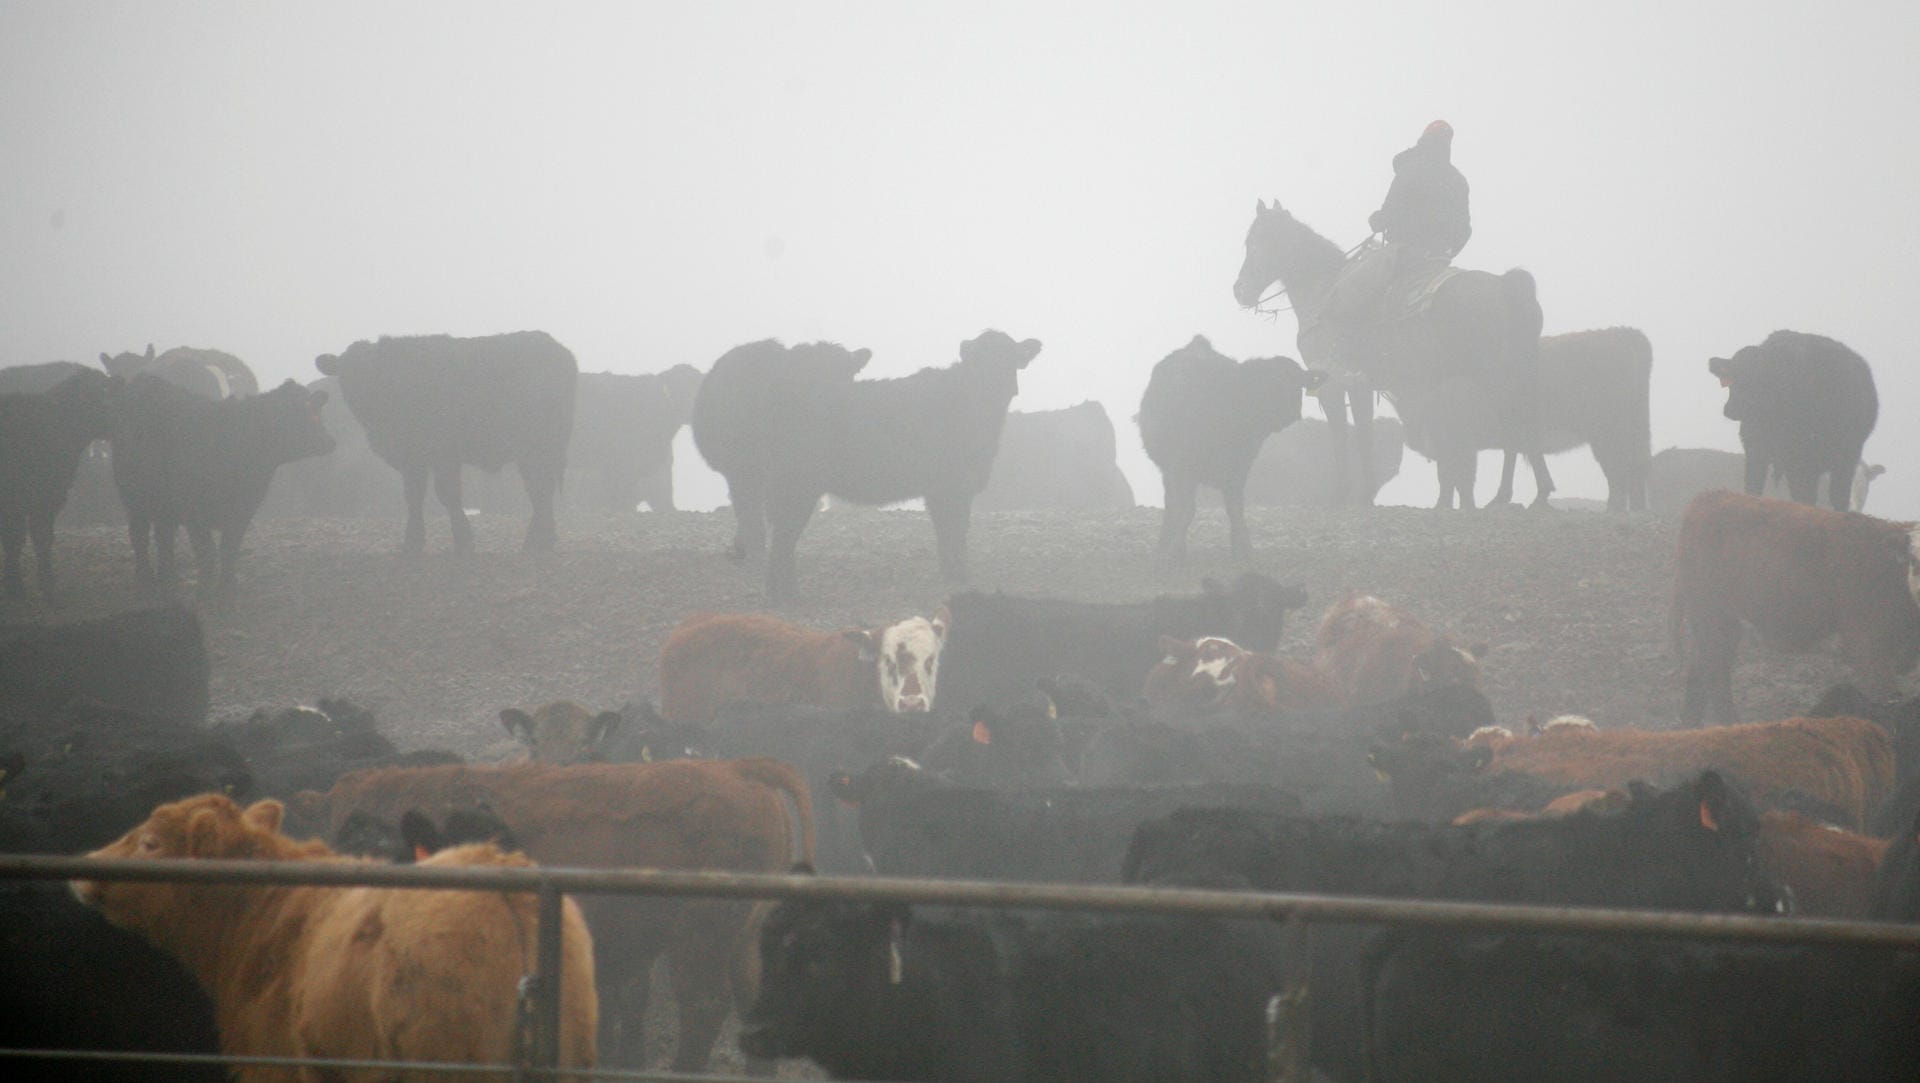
(546, 983)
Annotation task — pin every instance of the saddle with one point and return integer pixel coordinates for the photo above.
(1384, 283)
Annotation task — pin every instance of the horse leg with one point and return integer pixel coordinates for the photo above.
(1542, 478)
(1362, 398)
(1504, 494)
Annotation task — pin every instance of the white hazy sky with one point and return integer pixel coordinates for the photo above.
(655, 183)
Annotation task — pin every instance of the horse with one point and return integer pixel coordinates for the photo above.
(1463, 373)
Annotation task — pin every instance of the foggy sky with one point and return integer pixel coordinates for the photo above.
(655, 183)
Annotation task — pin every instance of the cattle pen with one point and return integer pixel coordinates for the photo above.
(1297, 911)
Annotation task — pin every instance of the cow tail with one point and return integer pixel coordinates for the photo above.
(782, 777)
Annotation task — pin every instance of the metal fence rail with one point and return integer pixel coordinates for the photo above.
(551, 883)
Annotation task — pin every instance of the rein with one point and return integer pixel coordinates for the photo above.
(1274, 313)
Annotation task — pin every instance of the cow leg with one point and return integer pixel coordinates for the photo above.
(950, 514)
(413, 481)
(1333, 403)
(1234, 496)
(1181, 496)
(446, 487)
(231, 536)
(542, 482)
(40, 528)
(140, 535)
(1840, 482)
(787, 515)
(698, 964)
(1709, 695)
(165, 531)
(1362, 398)
(1804, 487)
(1756, 479)
(206, 558)
(13, 538)
(748, 496)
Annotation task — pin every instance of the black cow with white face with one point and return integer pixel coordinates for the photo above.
(1806, 405)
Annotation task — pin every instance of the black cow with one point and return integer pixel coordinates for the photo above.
(915, 824)
(309, 748)
(1057, 459)
(72, 981)
(210, 374)
(1449, 1006)
(1000, 646)
(1689, 848)
(150, 660)
(431, 403)
(883, 992)
(1202, 420)
(738, 424)
(1594, 392)
(181, 460)
(42, 440)
(931, 435)
(1806, 405)
(623, 430)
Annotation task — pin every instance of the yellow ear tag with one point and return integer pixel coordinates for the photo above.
(646, 753)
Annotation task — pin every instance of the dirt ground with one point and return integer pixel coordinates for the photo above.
(1573, 604)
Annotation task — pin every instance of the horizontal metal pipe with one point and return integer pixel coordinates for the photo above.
(410, 1066)
(1111, 898)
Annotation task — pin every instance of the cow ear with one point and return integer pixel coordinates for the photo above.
(860, 358)
(149, 351)
(1259, 206)
(1029, 349)
(603, 726)
(867, 641)
(203, 832)
(518, 723)
(328, 364)
(942, 620)
(265, 815)
(1721, 367)
(1717, 808)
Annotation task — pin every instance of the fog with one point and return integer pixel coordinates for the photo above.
(655, 183)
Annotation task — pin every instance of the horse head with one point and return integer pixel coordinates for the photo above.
(1282, 249)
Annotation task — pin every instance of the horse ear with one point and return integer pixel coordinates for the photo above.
(1260, 207)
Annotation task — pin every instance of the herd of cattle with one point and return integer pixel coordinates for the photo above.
(1165, 742)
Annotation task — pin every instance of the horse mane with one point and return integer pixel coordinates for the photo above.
(1309, 259)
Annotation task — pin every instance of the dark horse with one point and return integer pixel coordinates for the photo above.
(1463, 373)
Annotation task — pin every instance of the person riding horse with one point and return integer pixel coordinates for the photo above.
(1423, 223)
(1426, 206)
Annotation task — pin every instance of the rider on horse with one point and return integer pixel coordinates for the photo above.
(1426, 207)
(1424, 223)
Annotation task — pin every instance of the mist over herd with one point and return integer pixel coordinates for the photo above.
(868, 449)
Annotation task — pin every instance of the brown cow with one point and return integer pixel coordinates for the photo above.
(1211, 673)
(683, 814)
(1375, 652)
(1845, 764)
(354, 973)
(716, 658)
(1798, 575)
(561, 731)
(1830, 870)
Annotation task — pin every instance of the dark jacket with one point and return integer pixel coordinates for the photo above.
(1426, 207)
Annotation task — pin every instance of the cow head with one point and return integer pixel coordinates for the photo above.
(291, 423)
(207, 826)
(822, 961)
(999, 359)
(906, 658)
(1278, 383)
(1256, 609)
(87, 399)
(561, 732)
(1750, 391)
(1195, 673)
(127, 365)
